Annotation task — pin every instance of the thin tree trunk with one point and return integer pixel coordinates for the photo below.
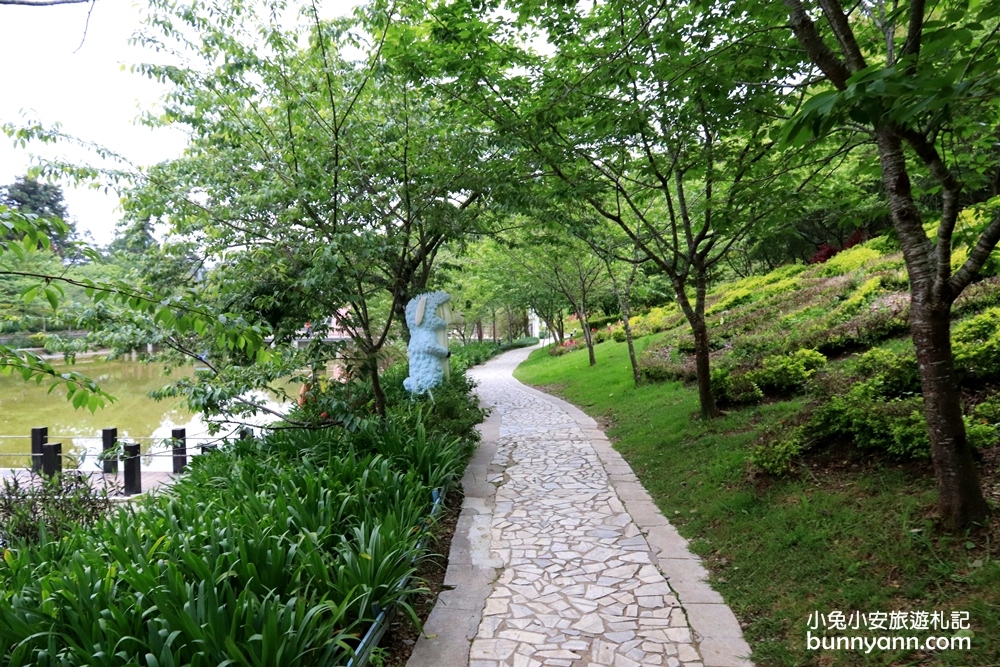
(709, 410)
(377, 390)
(550, 325)
(696, 319)
(624, 296)
(400, 308)
(636, 372)
(586, 336)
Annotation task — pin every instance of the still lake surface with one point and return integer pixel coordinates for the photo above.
(138, 418)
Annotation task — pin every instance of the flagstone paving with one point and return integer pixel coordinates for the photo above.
(586, 571)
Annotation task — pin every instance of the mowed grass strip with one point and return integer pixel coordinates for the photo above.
(846, 532)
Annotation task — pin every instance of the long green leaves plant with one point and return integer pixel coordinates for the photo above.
(276, 551)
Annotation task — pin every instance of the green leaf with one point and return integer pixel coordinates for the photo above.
(29, 295)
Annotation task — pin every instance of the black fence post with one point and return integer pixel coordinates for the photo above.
(133, 476)
(109, 438)
(51, 459)
(180, 449)
(39, 436)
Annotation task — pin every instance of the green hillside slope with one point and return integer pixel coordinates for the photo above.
(814, 493)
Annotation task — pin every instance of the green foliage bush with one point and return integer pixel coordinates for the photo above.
(976, 297)
(777, 450)
(851, 259)
(897, 371)
(988, 410)
(659, 369)
(865, 416)
(525, 341)
(976, 345)
(272, 552)
(861, 296)
(464, 357)
(660, 318)
(784, 373)
(733, 388)
(602, 321)
(619, 335)
(40, 508)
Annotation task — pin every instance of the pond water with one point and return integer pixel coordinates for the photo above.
(138, 418)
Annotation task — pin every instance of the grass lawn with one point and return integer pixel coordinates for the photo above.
(844, 533)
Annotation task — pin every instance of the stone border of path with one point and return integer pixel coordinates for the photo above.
(455, 619)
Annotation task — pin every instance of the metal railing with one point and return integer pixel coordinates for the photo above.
(47, 457)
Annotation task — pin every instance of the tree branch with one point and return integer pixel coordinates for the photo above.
(821, 54)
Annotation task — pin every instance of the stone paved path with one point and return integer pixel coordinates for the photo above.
(578, 552)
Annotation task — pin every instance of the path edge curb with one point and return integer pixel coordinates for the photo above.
(454, 621)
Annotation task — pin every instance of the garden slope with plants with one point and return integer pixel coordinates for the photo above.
(279, 550)
(814, 492)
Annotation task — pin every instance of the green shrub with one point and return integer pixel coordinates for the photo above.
(784, 373)
(898, 370)
(988, 410)
(273, 552)
(619, 335)
(733, 388)
(524, 341)
(863, 414)
(980, 295)
(883, 245)
(850, 260)
(775, 452)
(48, 508)
(861, 296)
(664, 370)
(472, 354)
(602, 321)
(557, 350)
(452, 410)
(751, 289)
(656, 320)
(979, 434)
(869, 327)
(976, 345)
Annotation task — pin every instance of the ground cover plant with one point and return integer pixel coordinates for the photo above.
(819, 469)
(274, 551)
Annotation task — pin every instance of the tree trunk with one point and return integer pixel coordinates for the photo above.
(377, 390)
(588, 339)
(636, 372)
(624, 296)
(479, 330)
(550, 325)
(960, 499)
(400, 312)
(709, 410)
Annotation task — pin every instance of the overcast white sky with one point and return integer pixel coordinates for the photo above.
(86, 91)
(45, 78)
